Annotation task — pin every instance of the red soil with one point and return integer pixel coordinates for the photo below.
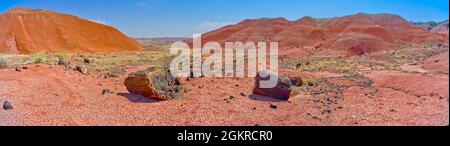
(52, 96)
(25, 31)
(438, 63)
(348, 35)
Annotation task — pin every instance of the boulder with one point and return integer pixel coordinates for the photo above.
(156, 83)
(281, 91)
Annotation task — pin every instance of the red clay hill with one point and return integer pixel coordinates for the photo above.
(348, 35)
(25, 31)
(442, 28)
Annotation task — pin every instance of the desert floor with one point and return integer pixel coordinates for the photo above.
(407, 94)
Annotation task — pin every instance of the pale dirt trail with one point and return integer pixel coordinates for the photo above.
(52, 96)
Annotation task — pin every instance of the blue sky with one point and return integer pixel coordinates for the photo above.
(182, 18)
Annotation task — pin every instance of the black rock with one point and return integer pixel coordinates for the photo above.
(243, 94)
(327, 111)
(7, 106)
(88, 60)
(106, 91)
(273, 106)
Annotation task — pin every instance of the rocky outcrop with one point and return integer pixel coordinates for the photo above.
(281, 91)
(155, 83)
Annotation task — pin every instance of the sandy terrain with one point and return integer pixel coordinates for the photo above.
(49, 95)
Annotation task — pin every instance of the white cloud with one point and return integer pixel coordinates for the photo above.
(211, 25)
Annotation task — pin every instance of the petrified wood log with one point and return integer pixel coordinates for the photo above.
(155, 82)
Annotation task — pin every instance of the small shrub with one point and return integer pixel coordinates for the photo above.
(312, 82)
(39, 58)
(62, 56)
(187, 89)
(3, 63)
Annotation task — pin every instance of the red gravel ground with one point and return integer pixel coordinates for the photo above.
(49, 95)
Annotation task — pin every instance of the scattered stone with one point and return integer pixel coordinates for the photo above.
(228, 100)
(106, 91)
(88, 60)
(64, 63)
(18, 69)
(7, 106)
(282, 89)
(155, 82)
(82, 69)
(316, 118)
(24, 67)
(115, 72)
(254, 108)
(327, 111)
(298, 65)
(243, 94)
(296, 81)
(393, 110)
(273, 106)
